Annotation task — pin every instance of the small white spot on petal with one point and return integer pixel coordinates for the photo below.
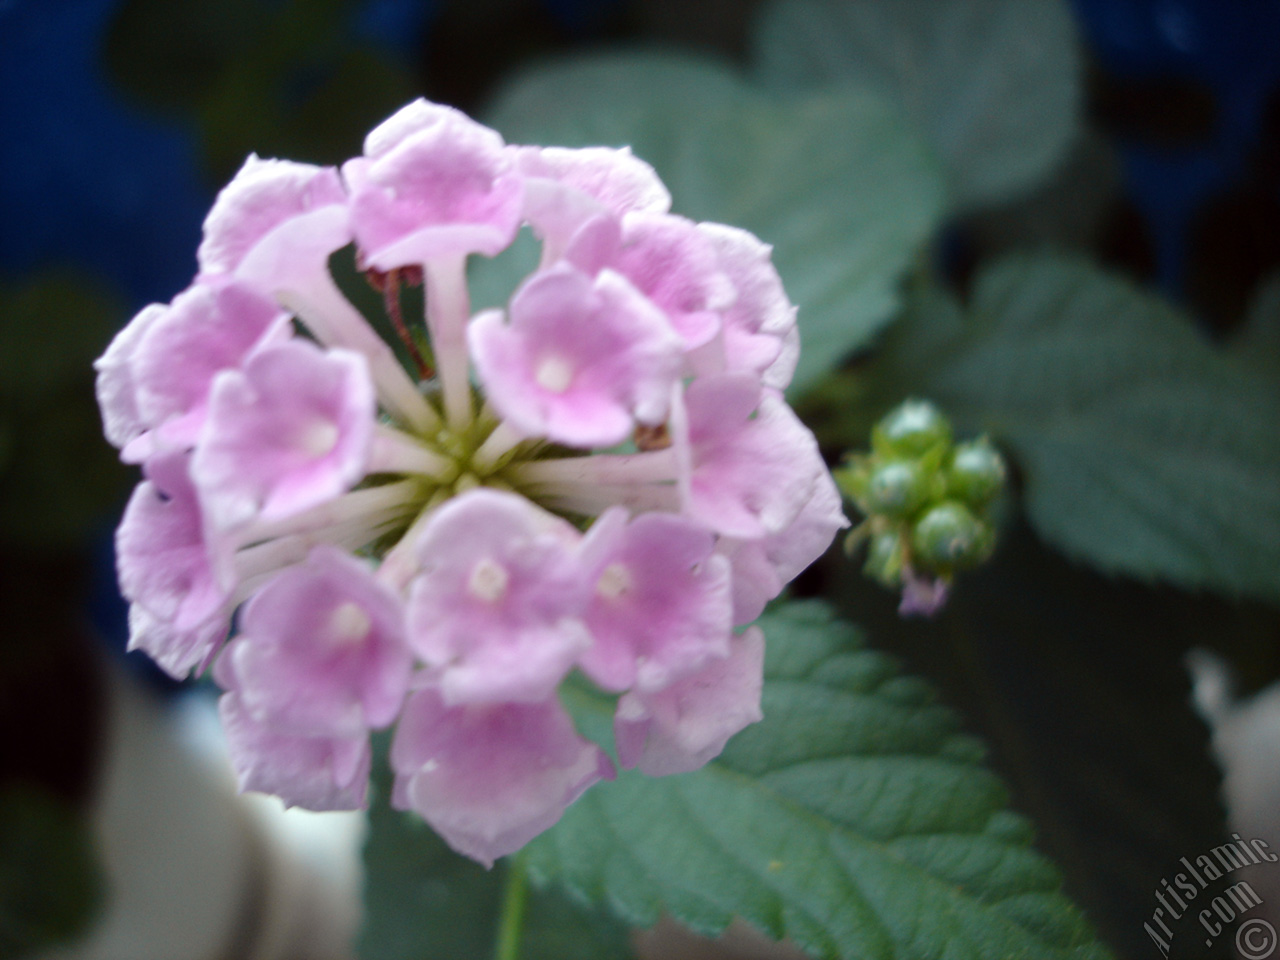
(318, 438)
(488, 580)
(348, 625)
(554, 373)
(614, 581)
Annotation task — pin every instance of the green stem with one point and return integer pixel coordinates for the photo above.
(512, 917)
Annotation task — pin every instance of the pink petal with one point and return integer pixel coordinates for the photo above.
(759, 334)
(315, 773)
(433, 184)
(116, 382)
(761, 568)
(178, 652)
(261, 197)
(617, 180)
(166, 561)
(566, 188)
(207, 329)
(674, 265)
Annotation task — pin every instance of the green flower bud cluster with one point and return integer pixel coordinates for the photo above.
(927, 499)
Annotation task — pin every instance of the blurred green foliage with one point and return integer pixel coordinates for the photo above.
(993, 85)
(277, 79)
(51, 886)
(58, 476)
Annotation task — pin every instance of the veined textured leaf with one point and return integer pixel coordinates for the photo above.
(855, 820)
(1077, 684)
(1144, 449)
(994, 84)
(838, 184)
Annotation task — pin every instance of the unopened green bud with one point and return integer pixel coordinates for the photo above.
(949, 535)
(976, 473)
(911, 430)
(897, 488)
(885, 558)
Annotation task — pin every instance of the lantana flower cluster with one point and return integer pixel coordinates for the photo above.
(603, 477)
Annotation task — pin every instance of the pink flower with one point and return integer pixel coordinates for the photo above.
(321, 650)
(432, 183)
(761, 568)
(666, 258)
(580, 362)
(758, 331)
(265, 196)
(289, 431)
(493, 608)
(117, 388)
(661, 603)
(682, 726)
(154, 380)
(566, 188)
(602, 476)
(748, 463)
(491, 778)
(205, 331)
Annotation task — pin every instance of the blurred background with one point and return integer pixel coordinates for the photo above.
(120, 119)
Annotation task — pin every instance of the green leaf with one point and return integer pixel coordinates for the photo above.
(837, 183)
(1077, 683)
(855, 820)
(425, 902)
(1144, 450)
(994, 84)
(1259, 342)
(51, 885)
